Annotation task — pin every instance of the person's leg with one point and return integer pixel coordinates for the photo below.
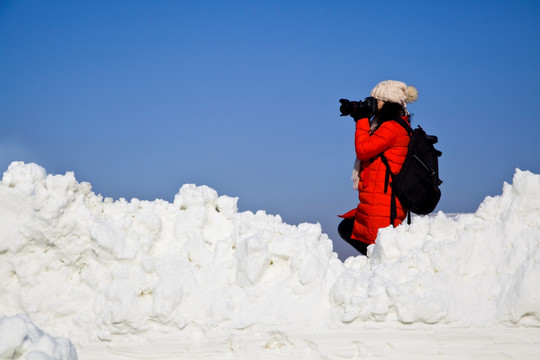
(360, 246)
(345, 229)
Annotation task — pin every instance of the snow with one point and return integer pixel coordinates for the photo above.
(20, 337)
(119, 277)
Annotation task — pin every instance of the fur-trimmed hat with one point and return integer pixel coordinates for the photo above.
(395, 91)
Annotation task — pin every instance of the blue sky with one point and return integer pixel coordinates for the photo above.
(140, 97)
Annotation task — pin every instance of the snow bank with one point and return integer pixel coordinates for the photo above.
(95, 269)
(472, 269)
(19, 337)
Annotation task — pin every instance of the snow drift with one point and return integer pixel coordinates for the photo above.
(93, 269)
(20, 337)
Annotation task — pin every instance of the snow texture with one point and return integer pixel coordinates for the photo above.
(93, 269)
(20, 338)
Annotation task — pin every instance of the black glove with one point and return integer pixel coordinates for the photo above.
(371, 106)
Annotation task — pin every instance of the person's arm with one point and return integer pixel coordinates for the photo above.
(368, 146)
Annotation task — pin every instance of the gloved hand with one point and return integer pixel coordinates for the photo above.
(371, 106)
(364, 109)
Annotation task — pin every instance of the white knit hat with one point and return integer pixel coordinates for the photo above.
(394, 91)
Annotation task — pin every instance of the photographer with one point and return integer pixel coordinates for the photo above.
(376, 134)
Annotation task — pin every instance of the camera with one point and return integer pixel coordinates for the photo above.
(358, 109)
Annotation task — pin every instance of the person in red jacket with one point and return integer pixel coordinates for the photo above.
(376, 134)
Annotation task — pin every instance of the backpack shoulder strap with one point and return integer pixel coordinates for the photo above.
(389, 174)
(410, 131)
(404, 124)
(393, 208)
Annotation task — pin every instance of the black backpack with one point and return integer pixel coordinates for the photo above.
(417, 183)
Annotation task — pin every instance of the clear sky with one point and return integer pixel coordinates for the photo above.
(140, 97)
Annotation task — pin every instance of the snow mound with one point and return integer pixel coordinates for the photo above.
(20, 338)
(475, 269)
(95, 269)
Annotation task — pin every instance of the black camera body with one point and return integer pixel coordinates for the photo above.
(358, 109)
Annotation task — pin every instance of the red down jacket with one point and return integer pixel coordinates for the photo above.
(373, 211)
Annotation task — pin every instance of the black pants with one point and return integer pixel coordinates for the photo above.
(345, 229)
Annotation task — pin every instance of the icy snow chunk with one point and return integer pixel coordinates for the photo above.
(253, 259)
(191, 195)
(19, 337)
(227, 206)
(23, 176)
